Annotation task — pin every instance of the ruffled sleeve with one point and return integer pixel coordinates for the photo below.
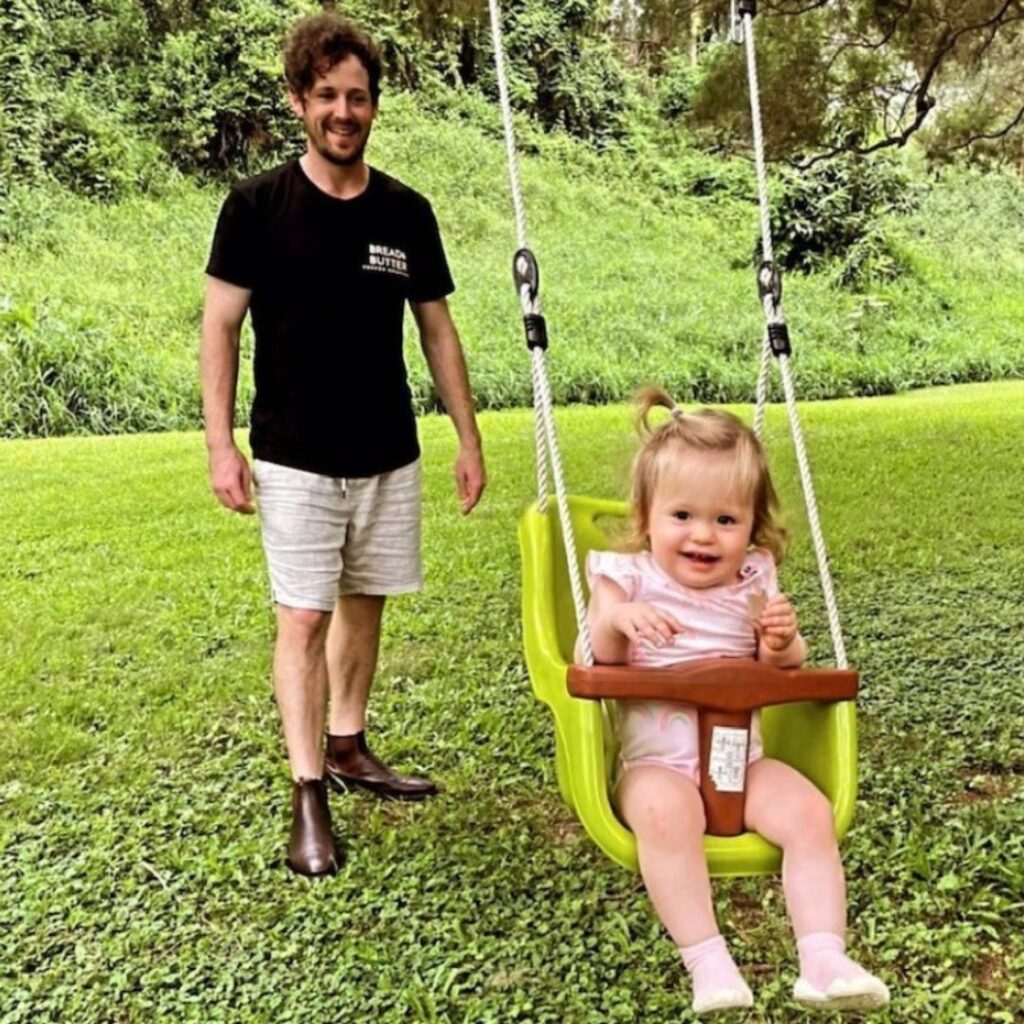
(619, 568)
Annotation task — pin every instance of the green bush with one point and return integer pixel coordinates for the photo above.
(676, 86)
(94, 37)
(69, 75)
(793, 96)
(95, 150)
(21, 110)
(562, 69)
(832, 214)
(180, 101)
(217, 98)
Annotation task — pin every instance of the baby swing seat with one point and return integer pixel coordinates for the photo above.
(818, 739)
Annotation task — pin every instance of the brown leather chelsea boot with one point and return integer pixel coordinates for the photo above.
(349, 763)
(312, 849)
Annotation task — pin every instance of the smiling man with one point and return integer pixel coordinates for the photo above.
(324, 252)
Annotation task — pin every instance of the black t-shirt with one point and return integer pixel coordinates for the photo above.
(329, 280)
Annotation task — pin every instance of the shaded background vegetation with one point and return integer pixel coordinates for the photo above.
(91, 87)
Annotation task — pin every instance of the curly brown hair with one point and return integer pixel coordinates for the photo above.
(704, 430)
(315, 44)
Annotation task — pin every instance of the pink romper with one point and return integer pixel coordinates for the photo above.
(717, 623)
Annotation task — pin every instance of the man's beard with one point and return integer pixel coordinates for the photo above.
(323, 148)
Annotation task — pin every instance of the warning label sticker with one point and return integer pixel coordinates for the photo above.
(727, 764)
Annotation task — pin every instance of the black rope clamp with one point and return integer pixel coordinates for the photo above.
(778, 338)
(769, 285)
(737, 11)
(526, 272)
(536, 331)
(769, 282)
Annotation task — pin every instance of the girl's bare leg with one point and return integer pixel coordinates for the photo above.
(790, 811)
(665, 812)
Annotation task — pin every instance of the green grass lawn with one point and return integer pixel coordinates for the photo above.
(144, 789)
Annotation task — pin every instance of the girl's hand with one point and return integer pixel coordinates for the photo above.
(639, 622)
(777, 623)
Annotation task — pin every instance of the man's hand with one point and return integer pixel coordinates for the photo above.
(470, 476)
(777, 623)
(231, 479)
(638, 621)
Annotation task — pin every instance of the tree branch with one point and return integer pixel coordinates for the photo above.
(806, 7)
(920, 95)
(981, 136)
(864, 44)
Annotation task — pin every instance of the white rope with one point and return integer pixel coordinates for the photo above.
(546, 439)
(540, 443)
(762, 385)
(528, 305)
(506, 120)
(812, 516)
(767, 253)
(755, 116)
(563, 508)
(773, 314)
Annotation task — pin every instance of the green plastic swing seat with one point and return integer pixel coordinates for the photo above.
(819, 740)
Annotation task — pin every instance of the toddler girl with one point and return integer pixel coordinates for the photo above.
(706, 544)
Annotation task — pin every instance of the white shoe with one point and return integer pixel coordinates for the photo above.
(723, 999)
(865, 992)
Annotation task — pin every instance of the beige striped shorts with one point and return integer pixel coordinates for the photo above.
(327, 536)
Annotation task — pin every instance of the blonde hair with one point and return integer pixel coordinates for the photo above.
(705, 430)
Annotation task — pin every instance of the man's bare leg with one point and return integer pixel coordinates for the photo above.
(353, 642)
(300, 685)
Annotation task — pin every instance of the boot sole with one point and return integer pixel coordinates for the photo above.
(344, 784)
(332, 868)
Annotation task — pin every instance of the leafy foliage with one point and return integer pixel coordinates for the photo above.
(217, 97)
(21, 124)
(835, 211)
(677, 84)
(569, 75)
(203, 79)
(646, 271)
(794, 100)
(94, 150)
(70, 70)
(854, 77)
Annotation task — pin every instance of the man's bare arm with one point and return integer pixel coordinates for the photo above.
(443, 352)
(223, 314)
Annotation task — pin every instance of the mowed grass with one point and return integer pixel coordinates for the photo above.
(100, 306)
(144, 790)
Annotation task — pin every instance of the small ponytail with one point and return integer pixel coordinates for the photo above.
(649, 398)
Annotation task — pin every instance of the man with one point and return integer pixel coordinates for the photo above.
(325, 251)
